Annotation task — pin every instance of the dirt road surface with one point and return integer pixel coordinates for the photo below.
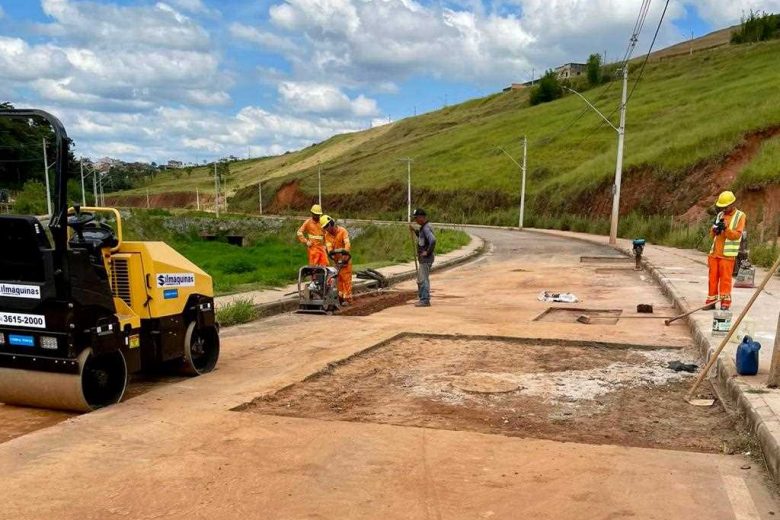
(204, 448)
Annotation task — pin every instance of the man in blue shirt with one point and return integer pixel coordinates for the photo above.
(426, 244)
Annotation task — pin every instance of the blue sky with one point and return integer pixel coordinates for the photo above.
(197, 79)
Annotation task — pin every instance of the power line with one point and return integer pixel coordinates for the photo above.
(636, 82)
(644, 9)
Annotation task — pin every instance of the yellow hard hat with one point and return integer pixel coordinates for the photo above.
(325, 220)
(316, 209)
(726, 198)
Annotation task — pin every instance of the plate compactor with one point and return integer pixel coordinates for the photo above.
(79, 315)
(318, 291)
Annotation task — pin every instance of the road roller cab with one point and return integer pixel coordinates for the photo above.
(81, 311)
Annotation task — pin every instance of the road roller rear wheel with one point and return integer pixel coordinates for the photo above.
(104, 379)
(201, 350)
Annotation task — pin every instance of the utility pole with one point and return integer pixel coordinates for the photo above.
(46, 174)
(83, 193)
(147, 198)
(613, 225)
(533, 75)
(691, 53)
(408, 162)
(621, 131)
(197, 198)
(522, 182)
(319, 183)
(260, 195)
(94, 187)
(522, 186)
(216, 190)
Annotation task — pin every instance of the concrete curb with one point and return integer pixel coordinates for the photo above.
(759, 417)
(290, 303)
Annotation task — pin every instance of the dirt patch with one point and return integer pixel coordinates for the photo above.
(175, 199)
(289, 196)
(372, 302)
(568, 393)
(560, 315)
(16, 421)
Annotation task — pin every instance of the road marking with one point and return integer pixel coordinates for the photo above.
(739, 495)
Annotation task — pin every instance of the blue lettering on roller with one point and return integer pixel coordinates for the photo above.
(170, 294)
(21, 341)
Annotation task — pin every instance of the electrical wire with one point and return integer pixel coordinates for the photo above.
(636, 82)
(644, 9)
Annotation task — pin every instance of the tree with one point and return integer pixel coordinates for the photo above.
(548, 89)
(594, 69)
(756, 27)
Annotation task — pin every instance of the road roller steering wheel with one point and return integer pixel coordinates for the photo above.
(79, 220)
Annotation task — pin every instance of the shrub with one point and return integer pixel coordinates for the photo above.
(548, 89)
(594, 69)
(240, 310)
(32, 199)
(757, 27)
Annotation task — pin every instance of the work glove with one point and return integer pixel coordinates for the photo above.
(719, 227)
(308, 243)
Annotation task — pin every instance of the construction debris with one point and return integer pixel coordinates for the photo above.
(547, 296)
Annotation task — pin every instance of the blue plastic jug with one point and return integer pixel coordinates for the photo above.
(747, 357)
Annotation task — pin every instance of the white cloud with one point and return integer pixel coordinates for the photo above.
(98, 62)
(265, 39)
(315, 98)
(722, 12)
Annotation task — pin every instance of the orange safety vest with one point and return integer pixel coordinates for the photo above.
(312, 232)
(339, 240)
(726, 245)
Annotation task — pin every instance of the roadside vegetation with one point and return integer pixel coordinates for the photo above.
(240, 310)
(271, 255)
(686, 116)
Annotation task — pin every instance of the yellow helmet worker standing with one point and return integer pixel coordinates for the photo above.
(310, 233)
(726, 234)
(337, 241)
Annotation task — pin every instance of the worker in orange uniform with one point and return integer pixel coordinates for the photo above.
(337, 245)
(310, 233)
(726, 233)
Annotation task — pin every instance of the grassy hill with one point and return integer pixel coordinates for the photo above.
(696, 124)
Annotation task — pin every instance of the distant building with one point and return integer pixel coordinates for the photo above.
(516, 86)
(105, 163)
(570, 70)
(175, 164)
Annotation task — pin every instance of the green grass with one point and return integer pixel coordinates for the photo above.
(686, 111)
(272, 255)
(241, 310)
(765, 168)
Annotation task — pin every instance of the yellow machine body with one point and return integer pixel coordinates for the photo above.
(160, 313)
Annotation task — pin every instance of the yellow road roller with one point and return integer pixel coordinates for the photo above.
(81, 308)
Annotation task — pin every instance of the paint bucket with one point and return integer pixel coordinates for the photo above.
(721, 323)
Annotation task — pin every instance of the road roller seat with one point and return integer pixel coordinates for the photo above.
(26, 250)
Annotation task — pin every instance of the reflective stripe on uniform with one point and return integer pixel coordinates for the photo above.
(730, 247)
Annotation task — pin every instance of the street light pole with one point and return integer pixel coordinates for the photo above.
(408, 161)
(613, 225)
(216, 190)
(522, 187)
(83, 193)
(319, 183)
(621, 132)
(522, 182)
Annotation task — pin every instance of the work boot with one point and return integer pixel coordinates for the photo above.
(422, 304)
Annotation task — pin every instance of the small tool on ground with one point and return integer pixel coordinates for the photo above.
(683, 315)
(724, 342)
